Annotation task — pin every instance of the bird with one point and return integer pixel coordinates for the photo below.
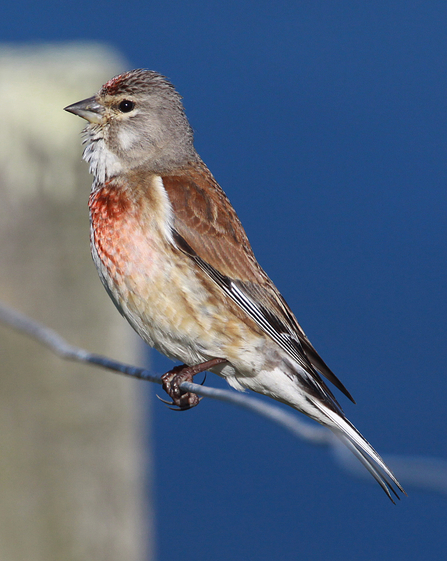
(174, 258)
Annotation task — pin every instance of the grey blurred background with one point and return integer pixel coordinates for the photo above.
(74, 468)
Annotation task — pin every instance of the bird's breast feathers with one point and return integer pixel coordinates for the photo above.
(130, 236)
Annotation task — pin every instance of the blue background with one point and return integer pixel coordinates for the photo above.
(325, 122)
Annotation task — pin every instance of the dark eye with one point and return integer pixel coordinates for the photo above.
(126, 106)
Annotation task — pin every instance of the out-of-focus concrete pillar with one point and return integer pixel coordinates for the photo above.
(73, 466)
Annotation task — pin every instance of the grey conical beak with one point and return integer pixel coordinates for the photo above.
(88, 109)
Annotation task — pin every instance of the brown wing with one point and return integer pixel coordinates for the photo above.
(205, 218)
(209, 226)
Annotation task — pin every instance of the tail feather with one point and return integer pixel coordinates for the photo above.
(382, 479)
(362, 449)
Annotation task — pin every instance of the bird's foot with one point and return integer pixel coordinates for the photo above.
(171, 381)
(181, 401)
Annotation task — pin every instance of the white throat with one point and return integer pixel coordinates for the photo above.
(104, 164)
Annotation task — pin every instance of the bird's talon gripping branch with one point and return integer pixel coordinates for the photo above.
(172, 380)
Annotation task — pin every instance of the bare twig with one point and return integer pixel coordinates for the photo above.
(422, 472)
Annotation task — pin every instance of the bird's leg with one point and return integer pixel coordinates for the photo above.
(183, 373)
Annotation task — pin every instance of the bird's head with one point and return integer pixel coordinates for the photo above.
(135, 120)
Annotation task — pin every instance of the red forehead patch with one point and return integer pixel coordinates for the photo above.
(112, 85)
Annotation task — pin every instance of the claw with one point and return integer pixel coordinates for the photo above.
(178, 407)
(186, 407)
(165, 401)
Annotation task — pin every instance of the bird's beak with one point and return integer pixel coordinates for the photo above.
(88, 109)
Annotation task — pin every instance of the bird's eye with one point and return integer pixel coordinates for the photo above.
(126, 106)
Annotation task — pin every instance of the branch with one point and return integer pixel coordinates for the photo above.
(414, 471)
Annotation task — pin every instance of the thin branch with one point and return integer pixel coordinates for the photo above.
(421, 472)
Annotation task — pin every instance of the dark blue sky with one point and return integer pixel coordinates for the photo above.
(325, 122)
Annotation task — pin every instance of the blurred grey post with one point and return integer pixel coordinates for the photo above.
(73, 470)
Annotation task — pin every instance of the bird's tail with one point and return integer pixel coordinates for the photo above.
(361, 448)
